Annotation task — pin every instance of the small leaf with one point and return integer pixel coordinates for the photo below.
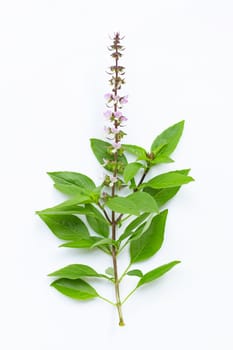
(75, 271)
(131, 170)
(132, 226)
(79, 243)
(139, 152)
(137, 273)
(76, 289)
(97, 222)
(163, 195)
(109, 271)
(66, 227)
(167, 180)
(170, 137)
(105, 241)
(66, 208)
(150, 241)
(101, 150)
(156, 273)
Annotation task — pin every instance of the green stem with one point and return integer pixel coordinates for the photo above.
(125, 272)
(129, 295)
(107, 300)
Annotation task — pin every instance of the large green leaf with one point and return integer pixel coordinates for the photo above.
(167, 180)
(131, 170)
(102, 151)
(66, 227)
(139, 152)
(76, 289)
(75, 271)
(72, 183)
(150, 241)
(97, 222)
(133, 204)
(156, 273)
(163, 195)
(169, 139)
(66, 208)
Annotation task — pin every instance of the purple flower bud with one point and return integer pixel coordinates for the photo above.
(116, 98)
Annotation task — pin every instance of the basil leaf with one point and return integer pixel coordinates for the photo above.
(150, 241)
(75, 271)
(139, 152)
(76, 289)
(66, 227)
(137, 273)
(133, 204)
(97, 222)
(156, 273)
(131, 170)
(167, 180)
(170, 137)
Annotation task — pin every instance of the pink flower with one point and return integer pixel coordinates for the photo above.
(116, 98)
(116, 146)
(114, 130)
(123, 119)
(124, 99)
(117, 114)
(108, 114)
(108, 96)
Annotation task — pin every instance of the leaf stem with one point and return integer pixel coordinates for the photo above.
(107, 300)
(125, 272)
(105, 212)
(129, 295)
(142, 178)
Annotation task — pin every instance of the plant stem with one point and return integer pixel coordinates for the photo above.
(113, 220)
(107, 300)
(142, 178)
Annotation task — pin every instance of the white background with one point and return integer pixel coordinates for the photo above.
(179, 61)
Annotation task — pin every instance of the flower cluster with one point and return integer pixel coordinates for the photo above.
(114, 101)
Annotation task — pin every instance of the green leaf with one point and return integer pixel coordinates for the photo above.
(76, 289)
(79, 243)
(105, 241)
(109, 271)
(144, 202)
(139, 152)
(133, 204)
(156, 273)
(137, 273)
(72, 183)
(167, 180)
(163, 195)
(66, 227)
(150, 241)
(97, 222)
(132, 226)
(66, 208)
(170, 137)
(102, 151)
(131, 170)
(75, 271)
